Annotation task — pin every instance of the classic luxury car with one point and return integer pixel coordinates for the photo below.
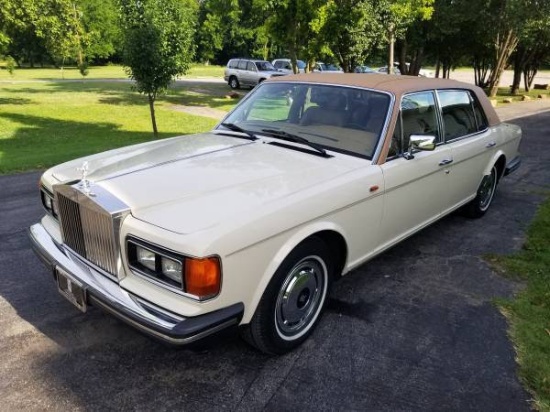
(306, 179)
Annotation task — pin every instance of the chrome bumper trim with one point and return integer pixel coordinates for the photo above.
(109, 296)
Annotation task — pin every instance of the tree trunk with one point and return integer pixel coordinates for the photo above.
(529, 76)
(517, 77)
(520, 61)
(151, 98)
(504, 45)
(403, 58)
(391, 37)
(437, 68)
(416, 62)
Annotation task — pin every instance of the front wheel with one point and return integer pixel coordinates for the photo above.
(292, 302)
(485, 193)
(234, 82)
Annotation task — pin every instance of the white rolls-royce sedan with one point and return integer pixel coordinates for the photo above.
(248, 225)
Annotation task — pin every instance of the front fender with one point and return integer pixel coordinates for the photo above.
(282, 252)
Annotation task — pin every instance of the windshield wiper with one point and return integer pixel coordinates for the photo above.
(281, 134)
(233, 127)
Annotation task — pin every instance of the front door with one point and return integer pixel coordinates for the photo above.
(416, 187)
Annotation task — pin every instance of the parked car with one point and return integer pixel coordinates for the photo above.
(384, 69)
(421, 73)
(250, 224)
(285, 65)
(326, 68)
(248, 72)
(363, 69)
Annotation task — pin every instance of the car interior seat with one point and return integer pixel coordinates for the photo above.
(330, 109)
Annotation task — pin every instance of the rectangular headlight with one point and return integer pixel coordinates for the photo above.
(48, 202)
(156, 263)
(172, 269)
(200, 278)
(146, 258)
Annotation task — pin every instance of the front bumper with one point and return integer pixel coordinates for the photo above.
(109, 296)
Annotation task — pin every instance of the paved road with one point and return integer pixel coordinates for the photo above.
(414, 329)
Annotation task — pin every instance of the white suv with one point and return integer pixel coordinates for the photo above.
(248, 72)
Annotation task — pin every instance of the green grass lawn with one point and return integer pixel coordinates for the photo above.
(97, 72)
(45, 123)
(504, 93)
(529, 312)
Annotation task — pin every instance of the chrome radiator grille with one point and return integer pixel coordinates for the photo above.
(88, 229)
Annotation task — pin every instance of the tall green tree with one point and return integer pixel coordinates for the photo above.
(232, 28)
(510, 20)
(288, 24)
(349, 28)
(31, 26)
(396, 16)
(158, 44)
(533, 47)
(100, 19)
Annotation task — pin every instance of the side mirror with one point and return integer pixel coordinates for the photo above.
(422, 142)
(419, 142)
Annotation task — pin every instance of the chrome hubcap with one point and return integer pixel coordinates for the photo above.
(300, 298)
(487, 189)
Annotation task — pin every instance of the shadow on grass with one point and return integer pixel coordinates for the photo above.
(41, 142)
(122, 93)
(16, 101)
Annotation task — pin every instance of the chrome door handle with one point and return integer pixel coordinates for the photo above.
(445, 162)
(490, 144)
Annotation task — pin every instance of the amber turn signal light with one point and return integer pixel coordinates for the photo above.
(202, 277)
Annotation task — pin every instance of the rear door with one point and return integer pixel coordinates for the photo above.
(466, 133)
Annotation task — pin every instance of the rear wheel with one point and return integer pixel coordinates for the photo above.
(292, 302)
(234, 82)
(485, 193)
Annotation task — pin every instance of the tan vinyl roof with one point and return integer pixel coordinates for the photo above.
(395, 84)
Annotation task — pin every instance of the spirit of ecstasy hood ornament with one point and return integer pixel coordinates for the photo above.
(84, 182)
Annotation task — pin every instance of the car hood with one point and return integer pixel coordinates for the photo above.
(193, 183)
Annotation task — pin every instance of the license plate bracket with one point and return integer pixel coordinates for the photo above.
(72, 290)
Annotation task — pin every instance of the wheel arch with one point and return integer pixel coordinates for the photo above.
(500, 165)
(332, 235)
(498, 160)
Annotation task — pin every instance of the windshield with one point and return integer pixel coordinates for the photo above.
(343, 119)
(265, 67)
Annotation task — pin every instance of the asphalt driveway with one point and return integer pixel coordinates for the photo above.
(414, 329)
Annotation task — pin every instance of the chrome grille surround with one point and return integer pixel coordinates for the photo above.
(90, 223)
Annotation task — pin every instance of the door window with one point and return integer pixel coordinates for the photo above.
(458, 113)
(418, 117)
